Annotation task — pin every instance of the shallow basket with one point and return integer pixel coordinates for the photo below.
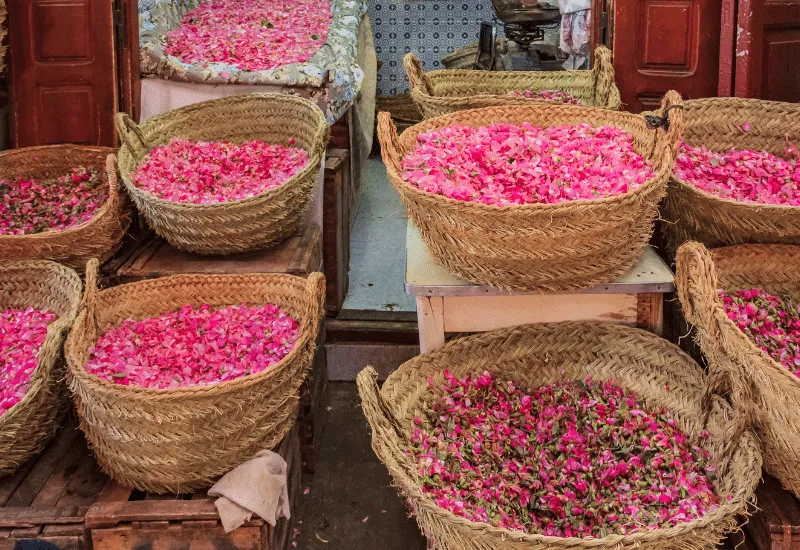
(99, 237)
(182, 439)
(536, 355)
(449, 90)
(28, 425)
(237, 226)
(542, 247)
(716, 123)
(773, 391)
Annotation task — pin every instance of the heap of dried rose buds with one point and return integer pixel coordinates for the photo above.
(570, 459)
(194, 347)
(742, 175)
(251, 35)
(201, 172)
(28, 206)
(771, 322)
(22, 335)
(551, 95)
(504, 164)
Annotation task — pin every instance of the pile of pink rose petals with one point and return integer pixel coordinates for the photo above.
(22, 335)
(572, 459)
(194, 347)
(506, 164)
(200, 172)
(31, 206)
(251, 35)
(549, 95)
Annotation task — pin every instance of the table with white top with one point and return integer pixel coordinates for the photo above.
(449, 304)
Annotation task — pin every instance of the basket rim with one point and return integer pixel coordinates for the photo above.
(725, 510)
(305, 337)
(685, 185)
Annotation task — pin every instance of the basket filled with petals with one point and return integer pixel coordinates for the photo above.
(38, 304)
(737, 174)
(228, 175)
(449, 90)
(61, 203)
(562, 435)
(744, 302)
(179, 379)
(538, 197)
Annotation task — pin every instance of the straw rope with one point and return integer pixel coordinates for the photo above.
(772, 389)
(238, 226)
(449, 90)
(28, 425)
(178, 440)
(716, 123)
(536, 355)
(99, 237)
(542, 247)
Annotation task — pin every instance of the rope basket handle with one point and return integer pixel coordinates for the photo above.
(697, 284)
(113, 178)
(317, 289)
(131, 135)
(321, 137)
(390, 143)
(90, 291)
(603, 75)
(416, 74)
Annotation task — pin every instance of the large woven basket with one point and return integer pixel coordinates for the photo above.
(449, 90)
(238, 226)
(774, 390)
(717, 123)
(26, 427)
(542, 247)
(99, 238)
(182, 439)
(535, 355)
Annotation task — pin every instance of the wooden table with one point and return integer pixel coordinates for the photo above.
(446, 303)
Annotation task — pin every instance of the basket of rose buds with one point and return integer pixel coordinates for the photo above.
(744, 303)
(562, 435)
(61, 203)
(538, 197)
(446, 91)
(737, 174)
(38, 304)
(227, 175)
(178, 380)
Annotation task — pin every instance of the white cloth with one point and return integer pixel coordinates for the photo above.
(258, 486)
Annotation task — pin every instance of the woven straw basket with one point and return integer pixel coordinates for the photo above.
(543, 247)
(26, 427)
(99, 238)
(716, 123)
(449, 90)
(178, 440)
(773, 390)
(238, 226)
(536, 355)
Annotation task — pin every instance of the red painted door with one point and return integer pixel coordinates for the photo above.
(767, 50)
(63, 72)
(662, 45)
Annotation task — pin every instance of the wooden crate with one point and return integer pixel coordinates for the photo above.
(125, 519)
(336, 219)
(775, 525)
(153, 257)
(314, 400)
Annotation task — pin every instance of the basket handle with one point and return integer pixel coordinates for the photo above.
(670, 120)
(697, 284)
(603, 75)
(416, 74)
(113, 178)
(131, 135)
(90, 290)
(317, 289)
(390, 144)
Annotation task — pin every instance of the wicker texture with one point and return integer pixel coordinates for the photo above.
(542, 247)
(716, 123)
(178, 440)
(28, 425)
(449, 90)
(3, 35)
(535, 355)
(99, 237)
(238, 226)
(773, 390)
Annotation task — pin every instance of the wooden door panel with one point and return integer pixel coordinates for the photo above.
(662, 45)
(62, 72)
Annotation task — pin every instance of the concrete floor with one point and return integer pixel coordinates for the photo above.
(351, 484)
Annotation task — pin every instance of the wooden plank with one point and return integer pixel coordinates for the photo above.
(114, 491)
(176, 537)
(650, 313)
(336, 229)
(28, 516)
(430, 318)
(371, 332)
(109, 514)
(308, 256)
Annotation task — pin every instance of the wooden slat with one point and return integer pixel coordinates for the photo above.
(109, 514)
(28, 516)
(113, 491)
(177, 538)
